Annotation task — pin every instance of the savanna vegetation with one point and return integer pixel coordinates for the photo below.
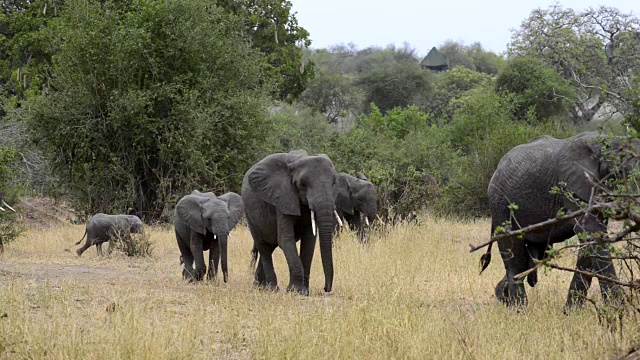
(126, 106)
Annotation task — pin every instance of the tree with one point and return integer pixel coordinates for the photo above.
(148, 99)
(273, 29)
(451, 85)
(24, 54)
(395, 85)
(332, 94)
(597, 50)
(472, 57)
(534, 86)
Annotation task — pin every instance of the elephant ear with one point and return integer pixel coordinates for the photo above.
(189, 210)
(344, 201)
(581, 157)
(270, 178)
(235, 206)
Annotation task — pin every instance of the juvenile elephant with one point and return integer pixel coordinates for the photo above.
(525, 176)
(103, 227)
(356, 202)
(284, 196)
(202, 221)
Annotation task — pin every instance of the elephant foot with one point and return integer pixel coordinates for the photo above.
(302, 290)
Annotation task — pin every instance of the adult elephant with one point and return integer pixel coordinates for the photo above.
(104, 227)
(356, 198)
(284, 195)
(202, 221)
(525, 176)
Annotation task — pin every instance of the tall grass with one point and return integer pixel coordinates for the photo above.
(413, 292)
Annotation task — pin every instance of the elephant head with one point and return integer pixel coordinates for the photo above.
(356, 195)
(205, 213)
(294, 183)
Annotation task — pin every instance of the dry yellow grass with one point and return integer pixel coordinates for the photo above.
(414, 293)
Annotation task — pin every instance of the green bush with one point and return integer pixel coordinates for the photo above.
(9, 229)
(483, 130)
(147, 100)
(534, 85)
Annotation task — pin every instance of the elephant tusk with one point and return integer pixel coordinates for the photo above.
(1, 208)
(337, 217)
(313, 223)
(215, 237)
(7, 205)
(366, 220)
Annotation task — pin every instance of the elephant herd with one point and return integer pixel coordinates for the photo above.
(290, 197)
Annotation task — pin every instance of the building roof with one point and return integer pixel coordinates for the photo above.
(434, 59)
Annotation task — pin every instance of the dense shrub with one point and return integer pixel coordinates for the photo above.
(535, 86)
(9, 229)
(149, 100)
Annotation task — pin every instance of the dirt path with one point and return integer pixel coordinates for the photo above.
(59, 271)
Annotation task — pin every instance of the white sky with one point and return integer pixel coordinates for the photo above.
(425, 23)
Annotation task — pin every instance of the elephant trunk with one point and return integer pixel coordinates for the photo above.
(325, 227)
(222, 243)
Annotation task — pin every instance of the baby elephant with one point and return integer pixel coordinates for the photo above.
(103, 227)
(202, 222)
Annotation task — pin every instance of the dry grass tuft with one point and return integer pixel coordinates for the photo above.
(413, 292)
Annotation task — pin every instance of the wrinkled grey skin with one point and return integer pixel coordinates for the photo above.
(279, 193)
(525, 176)
(103, 227)
(202, 221)
(356, 197)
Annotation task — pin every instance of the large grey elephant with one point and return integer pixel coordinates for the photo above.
(356, 202)
(525, 176)
(203, 221)
(103, 227)
(285, 195)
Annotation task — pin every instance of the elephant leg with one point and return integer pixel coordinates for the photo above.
(265, 273)
(579, 283)
(99, 249)
(307, 248)
(356, 223)
(603, 266)
(287, 242)
(186, 257)
(516, 260)
(214, 259)
(110, 248)
(195, 245)
(502, 290)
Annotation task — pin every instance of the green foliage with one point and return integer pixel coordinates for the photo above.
(593, 49)
(451, 85)
(9, 230)
(148, 99)
(24, 54)
(274, 30)
(332, 94)
(472, 57)
(483, 130)
(395, 85)
(535, 86)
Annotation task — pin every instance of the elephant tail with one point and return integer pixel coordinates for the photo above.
(254, 258)
(485, 259)
(85, 234)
